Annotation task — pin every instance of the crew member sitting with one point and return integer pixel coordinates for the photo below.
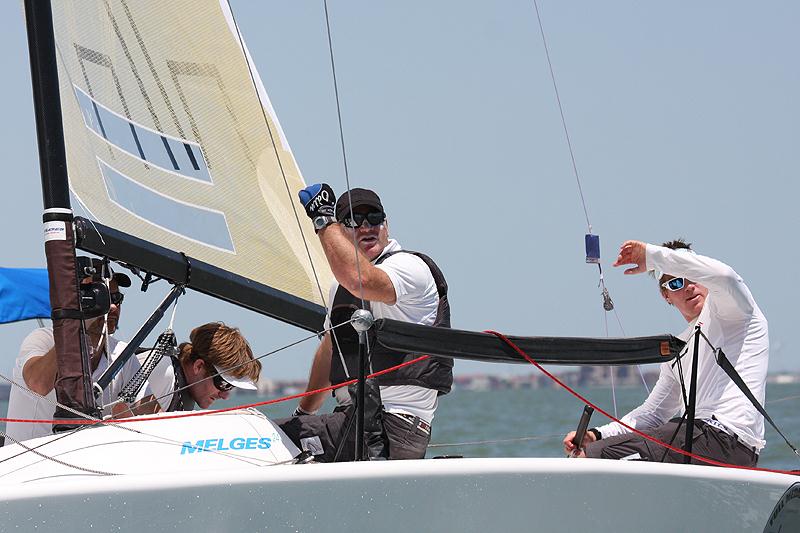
(727, 426)
(36, 366)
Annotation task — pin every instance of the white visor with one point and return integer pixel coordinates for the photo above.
(242, 383)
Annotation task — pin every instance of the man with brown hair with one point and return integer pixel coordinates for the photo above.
(216, 359)
(727, 427)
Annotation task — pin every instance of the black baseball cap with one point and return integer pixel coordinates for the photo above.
(122, 279)
(356, 198)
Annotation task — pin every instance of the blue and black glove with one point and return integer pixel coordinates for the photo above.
(320, 204)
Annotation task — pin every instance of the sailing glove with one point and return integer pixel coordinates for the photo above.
(319, 200)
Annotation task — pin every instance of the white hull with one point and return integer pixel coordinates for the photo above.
(164, 490)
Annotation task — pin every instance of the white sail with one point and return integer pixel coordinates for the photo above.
(171, 138)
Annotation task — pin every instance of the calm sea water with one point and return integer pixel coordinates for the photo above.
(531, 423)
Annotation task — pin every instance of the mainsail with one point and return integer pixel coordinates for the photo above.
(171, 139)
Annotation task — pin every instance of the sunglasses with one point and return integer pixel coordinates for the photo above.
(117, 297)
(675, 284)
(221, 384)
(373, 218)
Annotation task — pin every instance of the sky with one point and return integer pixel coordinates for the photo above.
(683, 118)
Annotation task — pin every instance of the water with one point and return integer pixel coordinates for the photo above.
(532, 422)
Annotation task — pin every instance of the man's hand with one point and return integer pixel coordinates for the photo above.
(569, 446)
(633, 253)
(319, 200)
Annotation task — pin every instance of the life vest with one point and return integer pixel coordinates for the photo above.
(181, 397)
(432, 373)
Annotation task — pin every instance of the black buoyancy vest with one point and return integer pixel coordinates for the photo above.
(181, 397)
(432, 373)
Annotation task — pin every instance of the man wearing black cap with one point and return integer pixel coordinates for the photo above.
(36, 368)
(392, 283)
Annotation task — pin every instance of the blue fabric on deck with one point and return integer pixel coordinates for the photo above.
(24, 294)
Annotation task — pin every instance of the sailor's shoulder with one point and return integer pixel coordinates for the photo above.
(37, 342)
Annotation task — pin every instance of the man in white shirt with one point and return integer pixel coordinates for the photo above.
(393, 283)
(727, 426)
(36, 368)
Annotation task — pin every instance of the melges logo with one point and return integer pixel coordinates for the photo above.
(222, 444)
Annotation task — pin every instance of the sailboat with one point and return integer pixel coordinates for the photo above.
(152, 117)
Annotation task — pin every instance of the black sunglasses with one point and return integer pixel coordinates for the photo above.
(117, 297)
(373, 218)
(221, 384)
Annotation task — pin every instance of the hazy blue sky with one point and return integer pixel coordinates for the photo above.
(684, 119)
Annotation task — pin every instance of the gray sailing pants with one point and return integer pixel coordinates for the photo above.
(323, 435)
(707, 441)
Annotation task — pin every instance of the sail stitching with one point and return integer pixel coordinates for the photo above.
(280, 165)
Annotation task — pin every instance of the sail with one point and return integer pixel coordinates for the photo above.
(24, 294)
(171, 139)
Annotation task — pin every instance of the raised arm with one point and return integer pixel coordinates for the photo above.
(352, 269)
(731, 295)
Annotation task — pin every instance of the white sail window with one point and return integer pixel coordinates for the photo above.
(200, 224)
(178, 156)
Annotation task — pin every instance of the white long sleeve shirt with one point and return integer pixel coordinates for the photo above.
(732, 321)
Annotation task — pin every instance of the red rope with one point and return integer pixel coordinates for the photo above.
(397, 367)
(203, 413)
(623, 424)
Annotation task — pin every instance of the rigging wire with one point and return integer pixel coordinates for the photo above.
(638, 367)
(611, 371)
(88, 422)
(561, 111)
(46, 457)
(342, 143)
(608, 304)
(286, 183)
(347, 180)
(278, 159)
(228, 369)
(630, 428)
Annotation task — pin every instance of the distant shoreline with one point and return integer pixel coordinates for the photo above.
(585, 377)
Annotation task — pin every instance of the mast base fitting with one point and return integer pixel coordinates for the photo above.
(362, 320)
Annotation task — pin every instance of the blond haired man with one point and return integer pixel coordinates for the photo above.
(216, 359)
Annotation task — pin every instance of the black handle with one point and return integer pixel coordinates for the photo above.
(582, 427)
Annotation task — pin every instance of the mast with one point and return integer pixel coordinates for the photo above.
(73, 386)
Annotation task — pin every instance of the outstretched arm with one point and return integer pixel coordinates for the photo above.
(732, 297)
(662, 404)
